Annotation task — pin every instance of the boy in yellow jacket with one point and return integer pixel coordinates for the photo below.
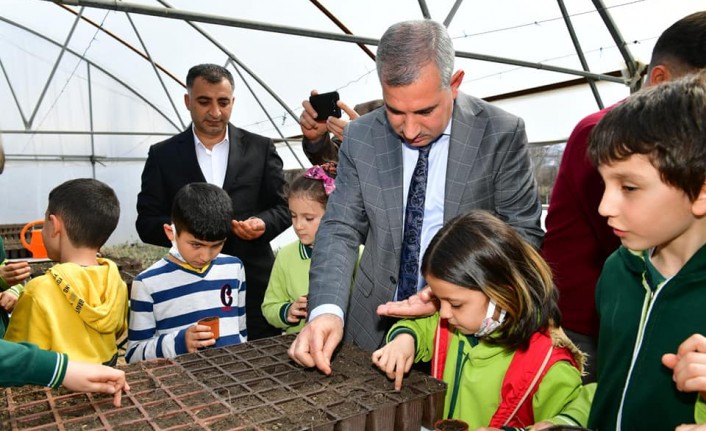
(80, 305)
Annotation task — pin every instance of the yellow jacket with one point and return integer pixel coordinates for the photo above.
(73, 309)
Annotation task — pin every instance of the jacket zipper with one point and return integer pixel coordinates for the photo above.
(647, 306)
(460, 362)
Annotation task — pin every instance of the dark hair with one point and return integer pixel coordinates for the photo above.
(312, 188)
(682, 47)
(371, 105)
(478, 251)
(89, 210)
(666, 123)
(204, 210)
(212, 73)
(309, 188)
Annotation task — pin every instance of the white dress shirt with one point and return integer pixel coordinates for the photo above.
(213, 162)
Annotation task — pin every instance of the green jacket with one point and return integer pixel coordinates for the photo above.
(637, 326)
(288, 281)
(26, 364)
(473, 391)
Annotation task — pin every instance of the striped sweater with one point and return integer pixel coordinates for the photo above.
(168, 298)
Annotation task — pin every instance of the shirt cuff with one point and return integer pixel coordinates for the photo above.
(326, 309)
(283, 311)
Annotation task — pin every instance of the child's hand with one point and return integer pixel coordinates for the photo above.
(689, 365)
(297, 311)
(198, 337)
(85, 377)
(396, 358)
(8, 300)
(15, 272)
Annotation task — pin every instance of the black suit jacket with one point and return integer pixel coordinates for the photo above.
(254, 180)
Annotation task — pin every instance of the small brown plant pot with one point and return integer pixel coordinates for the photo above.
(213, 323)
(450, 425)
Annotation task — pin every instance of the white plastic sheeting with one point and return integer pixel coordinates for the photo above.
(76, 86)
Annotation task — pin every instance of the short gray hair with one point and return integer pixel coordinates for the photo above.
(408, 46)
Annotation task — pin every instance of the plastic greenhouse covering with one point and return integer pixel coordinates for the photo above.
(87, 86)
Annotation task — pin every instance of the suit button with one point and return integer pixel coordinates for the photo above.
(393, 280)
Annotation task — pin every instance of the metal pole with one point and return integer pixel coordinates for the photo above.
(579, 52)
(425, 9)
(632, 66)
(14, 96)
(452, 13)
(340, 25)
(232, 22)
(82, 132)
(106, 72)
(90, 119)
(274, 124)
(56, 65)
(156, 71)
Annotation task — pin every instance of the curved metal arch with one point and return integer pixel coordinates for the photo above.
(92, 64)
(192, 17)
(232, 59)
(579, 51)
(123, 42)
(145, 55)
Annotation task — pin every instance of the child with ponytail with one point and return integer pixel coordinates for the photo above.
(285, 303)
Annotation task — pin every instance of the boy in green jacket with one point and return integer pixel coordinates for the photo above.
(651, 154)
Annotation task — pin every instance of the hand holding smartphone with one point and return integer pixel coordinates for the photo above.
(325, 105)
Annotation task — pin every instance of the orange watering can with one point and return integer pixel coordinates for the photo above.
(36, 244)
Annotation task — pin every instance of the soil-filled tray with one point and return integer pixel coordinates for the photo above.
(250, 386)
(162, 396)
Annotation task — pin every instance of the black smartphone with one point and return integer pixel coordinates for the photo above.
(325, 105)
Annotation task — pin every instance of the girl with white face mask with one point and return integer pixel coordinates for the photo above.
(495, 339)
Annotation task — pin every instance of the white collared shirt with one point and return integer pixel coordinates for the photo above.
(213, 162)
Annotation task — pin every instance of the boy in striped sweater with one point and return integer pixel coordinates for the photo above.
(192, 282)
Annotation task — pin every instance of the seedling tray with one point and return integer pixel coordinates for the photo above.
(250, 386)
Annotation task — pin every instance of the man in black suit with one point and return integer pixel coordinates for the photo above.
(246, 166)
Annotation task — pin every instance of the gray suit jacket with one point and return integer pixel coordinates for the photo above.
(488, 168)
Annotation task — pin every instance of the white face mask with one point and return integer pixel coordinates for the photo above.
(489, 325)
(174, 251)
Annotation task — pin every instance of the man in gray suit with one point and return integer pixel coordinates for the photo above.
(479, 160)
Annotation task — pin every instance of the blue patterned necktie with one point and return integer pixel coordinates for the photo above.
(413, 219)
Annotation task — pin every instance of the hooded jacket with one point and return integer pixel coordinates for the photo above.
(79, 310)
(639, 322)
(475, 372)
